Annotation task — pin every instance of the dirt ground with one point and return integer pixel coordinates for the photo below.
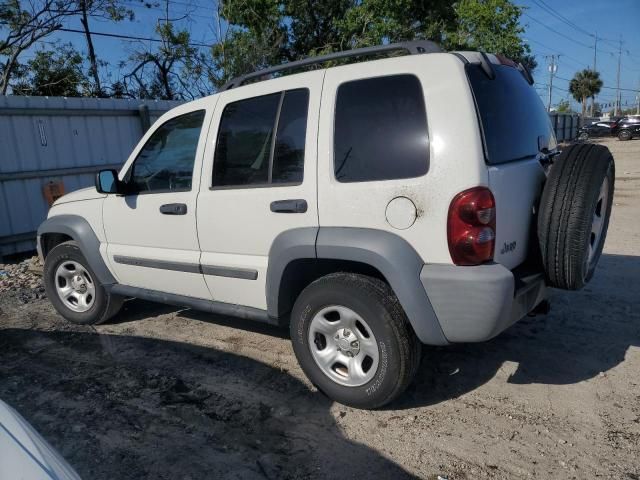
(174, 394)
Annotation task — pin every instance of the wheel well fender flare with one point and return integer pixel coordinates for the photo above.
(81, 232)
(384, 251)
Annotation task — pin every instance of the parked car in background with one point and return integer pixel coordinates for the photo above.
(627, 127)
(596, 129)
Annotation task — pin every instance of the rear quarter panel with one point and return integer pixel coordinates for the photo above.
(456, 155)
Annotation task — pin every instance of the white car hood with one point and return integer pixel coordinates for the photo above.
(89, 193)
(24, 454)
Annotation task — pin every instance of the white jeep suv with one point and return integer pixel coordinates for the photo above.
(373, 207)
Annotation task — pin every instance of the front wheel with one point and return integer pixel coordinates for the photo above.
(583, 136)
(353, 340)
(73, 288)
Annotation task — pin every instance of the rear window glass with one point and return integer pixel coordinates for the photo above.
(511, 113)
(380, 130)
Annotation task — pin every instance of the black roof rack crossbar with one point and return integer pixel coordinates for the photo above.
(413, 48)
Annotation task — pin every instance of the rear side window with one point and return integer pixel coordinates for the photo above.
(261, 141)
(380, 130)
(511, 113)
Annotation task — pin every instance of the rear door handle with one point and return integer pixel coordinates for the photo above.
(289, 206)
(173, 209)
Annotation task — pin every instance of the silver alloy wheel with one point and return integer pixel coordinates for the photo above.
(343, 346)
(75, 286)
(597, 223)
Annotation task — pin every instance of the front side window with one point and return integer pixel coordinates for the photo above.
(165, 163)
(248, 154)
(380, 130)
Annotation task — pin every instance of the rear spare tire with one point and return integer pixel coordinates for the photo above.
(574, 214)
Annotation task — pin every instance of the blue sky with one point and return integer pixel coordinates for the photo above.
(546, 32)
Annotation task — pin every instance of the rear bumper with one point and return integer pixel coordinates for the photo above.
(474, 304)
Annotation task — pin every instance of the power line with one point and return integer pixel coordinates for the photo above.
(122, 36)
(546, 86)
(561, 17)
(127, 37)
(609, 88)
(562, 34)
(553, 50)
(159, 9)
(557, 32)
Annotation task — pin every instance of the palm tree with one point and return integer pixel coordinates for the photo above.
(585, 84)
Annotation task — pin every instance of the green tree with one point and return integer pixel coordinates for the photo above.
(491, 26)
(585, 84)
(22, 25)
(112, 10)
(372, 22)
(564, 107)
(259, 33)
(175, 70)
(250, 35)
(56, 73)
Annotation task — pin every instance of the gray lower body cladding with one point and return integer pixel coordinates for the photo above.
(474, 304)
(444, 303)
(400, 264)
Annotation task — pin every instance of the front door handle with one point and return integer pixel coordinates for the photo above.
(289, 206)
(173, 209)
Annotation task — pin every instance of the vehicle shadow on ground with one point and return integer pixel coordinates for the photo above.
(130, 408)
(586, 333)
(136, 309)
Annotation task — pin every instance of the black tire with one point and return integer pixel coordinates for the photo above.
(104, 305)
(583, 136)
(624, 135)
(569, 201)
(375, 302)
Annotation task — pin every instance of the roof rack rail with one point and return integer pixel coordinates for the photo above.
(413, 48)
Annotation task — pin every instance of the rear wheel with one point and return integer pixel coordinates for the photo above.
(583, 136)
(574, 214)
(353, 340)
(73, 288)
(624, 135)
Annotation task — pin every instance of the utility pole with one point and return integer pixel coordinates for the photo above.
(617, 105)
(553, 68)
(595, 55)
(638, 100)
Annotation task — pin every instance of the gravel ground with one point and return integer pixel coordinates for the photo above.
(175, 394)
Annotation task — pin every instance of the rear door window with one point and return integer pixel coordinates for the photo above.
(380, 130)
(247, 154)
(511, 113)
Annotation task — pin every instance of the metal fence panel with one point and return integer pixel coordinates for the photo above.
(565, 125)
(45, 139)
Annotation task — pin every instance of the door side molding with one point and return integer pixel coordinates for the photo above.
(231, 272)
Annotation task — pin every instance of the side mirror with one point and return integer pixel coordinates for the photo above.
(107, 181)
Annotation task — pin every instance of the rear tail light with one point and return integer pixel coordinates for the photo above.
(471, 227)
